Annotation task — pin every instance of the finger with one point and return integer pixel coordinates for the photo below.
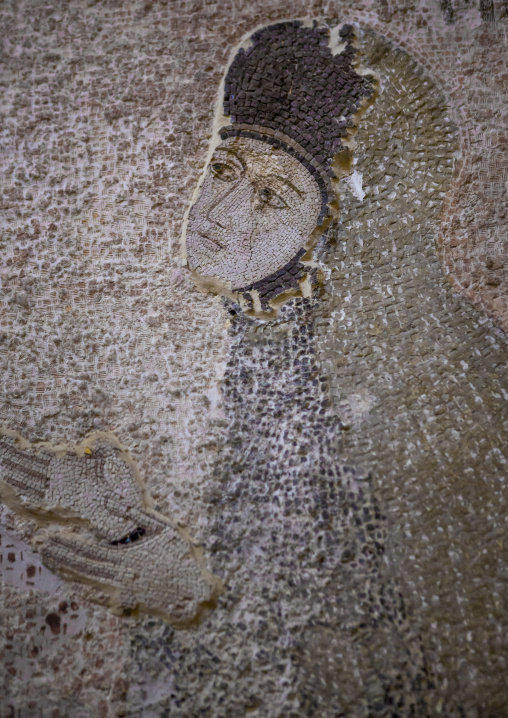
(79, 558)
(23, 470)
(85, 548)
(120, 476)
(108, 467)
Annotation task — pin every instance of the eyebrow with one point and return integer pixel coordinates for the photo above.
(288, 183)
(278, 178)
(229, 152)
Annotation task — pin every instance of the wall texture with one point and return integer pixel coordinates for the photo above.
(343, 466)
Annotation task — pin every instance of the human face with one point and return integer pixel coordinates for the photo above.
(256, 209)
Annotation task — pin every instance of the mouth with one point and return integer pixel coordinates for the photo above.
(211, 240)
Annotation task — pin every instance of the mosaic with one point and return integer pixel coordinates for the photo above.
(318, 400)
(261, 201)
(329, 603)
(291, 499)
(291, 103)
(243, 250)
(135, 556)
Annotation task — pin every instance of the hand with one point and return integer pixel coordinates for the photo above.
(102, 529)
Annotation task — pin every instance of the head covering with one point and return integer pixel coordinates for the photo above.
(290, 90)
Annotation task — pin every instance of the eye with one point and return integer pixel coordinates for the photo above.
(271, 198)
(224, 171)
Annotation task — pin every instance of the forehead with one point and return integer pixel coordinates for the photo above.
(261, 157)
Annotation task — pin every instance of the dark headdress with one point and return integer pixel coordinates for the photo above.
(288, 89)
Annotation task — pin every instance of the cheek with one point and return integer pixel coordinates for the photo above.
(278, 235)
(203, 200)
(308, 216)
(288, 223)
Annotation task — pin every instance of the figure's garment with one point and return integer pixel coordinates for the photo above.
(312, 623)
(311, 616)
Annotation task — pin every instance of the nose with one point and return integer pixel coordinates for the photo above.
(232, 204)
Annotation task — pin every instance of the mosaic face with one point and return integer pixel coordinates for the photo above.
(256, 209)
